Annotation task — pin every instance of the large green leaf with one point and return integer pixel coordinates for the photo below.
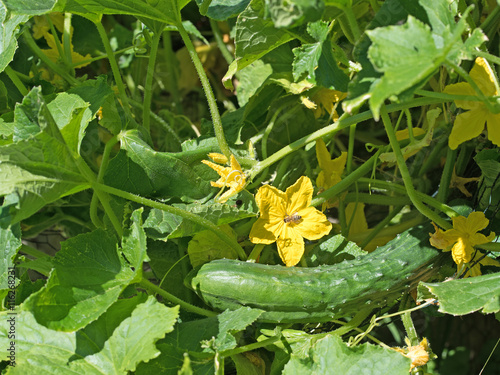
(9, 24)
(166, 11)
(115, 344)
(409, 54)
(187, 337)
(255, 36)
(162, 225)
(460, 297)
(29, 7)
(330, 355)
(148, 172)
(88, 276)
(294, 13)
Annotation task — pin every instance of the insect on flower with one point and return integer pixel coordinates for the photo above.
(295, 218)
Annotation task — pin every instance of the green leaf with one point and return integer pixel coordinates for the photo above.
(460, 297)
(206, 246)
(72, 116)
(255, 36)
(88, 276)
(232, 322)
(409, 54)
(10, 242)
(167, 11)
(333, 250)
(221, 10)
(330, 355)
(29, 7)
(134, 243)
(115, 344)
(163, 225)
(155, 173)
(39, 171)
(293, 13)
(317, 62)
(9, 24)
(93, 91)
(186, 337)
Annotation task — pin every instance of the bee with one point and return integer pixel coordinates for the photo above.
(295, 218)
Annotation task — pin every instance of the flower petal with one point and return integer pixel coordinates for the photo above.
(260, 233)
(271, 202)
(462, 88)
(493, 124)
(461, 251)
(484, 77)
(290, 246)
(314, 224)
(299, 195)
(467, 125)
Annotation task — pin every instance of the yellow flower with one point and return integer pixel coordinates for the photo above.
(325, 100)
(462, 239)
(331, 170)
(470, 124)
(232, 177)
(286, 218)
(42, 26)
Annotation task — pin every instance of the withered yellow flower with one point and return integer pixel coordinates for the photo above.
(461, 240)
(331, 169)
(286, 218)
(232, 176)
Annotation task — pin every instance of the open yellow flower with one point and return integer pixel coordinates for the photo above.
(470, 124)
(232, 176)
(461, 240)
(331, 170)
(286, 218)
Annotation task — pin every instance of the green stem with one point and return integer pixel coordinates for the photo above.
(228, 56)
(116, 71)
(353, 24)
(175, 211)
(67, 42)
(170, 297)
(343, 122)
(350, 148)
(411, 332)
(212, 103)
(391, 186)
(335, 190)
(447, 97)
(354, 322)
(488, 56)
(405, 174)
(45, 60)
(148, 88)
(254, 255)
(447, 173)
(35, 253)
(15, 80)
(249, 347)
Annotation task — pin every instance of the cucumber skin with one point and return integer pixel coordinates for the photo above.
(323, 293)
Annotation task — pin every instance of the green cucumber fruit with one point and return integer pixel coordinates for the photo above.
(315, 294)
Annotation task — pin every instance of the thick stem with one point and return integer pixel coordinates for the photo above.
(212, 103)
(116, 70)
(170, 297)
